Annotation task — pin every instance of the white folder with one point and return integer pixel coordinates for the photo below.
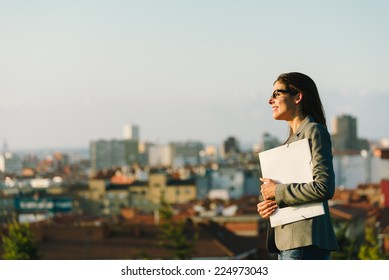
(290, 163)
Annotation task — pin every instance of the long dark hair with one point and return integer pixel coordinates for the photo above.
(311, 104)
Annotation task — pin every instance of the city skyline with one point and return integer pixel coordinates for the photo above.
(77, 71)
(244, 146)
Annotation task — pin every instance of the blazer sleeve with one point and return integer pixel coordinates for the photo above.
(323, 185)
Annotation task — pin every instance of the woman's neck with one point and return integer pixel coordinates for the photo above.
(295, 122)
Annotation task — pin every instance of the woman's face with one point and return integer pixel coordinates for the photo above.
(283, 103)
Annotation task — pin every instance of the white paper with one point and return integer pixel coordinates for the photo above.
(290, 163)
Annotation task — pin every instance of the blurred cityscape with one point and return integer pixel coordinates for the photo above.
(104, 202)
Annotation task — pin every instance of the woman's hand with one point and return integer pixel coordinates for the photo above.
(268, 188)
(266, 208)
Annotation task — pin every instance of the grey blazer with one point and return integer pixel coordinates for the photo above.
(316, 231)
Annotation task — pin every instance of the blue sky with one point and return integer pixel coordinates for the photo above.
(76, 71)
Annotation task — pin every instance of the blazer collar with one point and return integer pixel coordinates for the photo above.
(308, 119)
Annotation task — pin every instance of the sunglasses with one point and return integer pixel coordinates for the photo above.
(277, 93)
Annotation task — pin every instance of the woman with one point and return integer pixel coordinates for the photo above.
(296, 100)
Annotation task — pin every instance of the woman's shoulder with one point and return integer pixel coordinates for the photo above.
(313, 127)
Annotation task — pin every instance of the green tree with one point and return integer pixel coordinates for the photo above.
(19, 243)
(178, 238)
(370, 249)
(347, 246)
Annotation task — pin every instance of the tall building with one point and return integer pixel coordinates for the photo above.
(187, 153)
(105, 154)
(231, 146)
(160, 156)
(131, 132)
(345, 136)
(10, 163)
(175, 154)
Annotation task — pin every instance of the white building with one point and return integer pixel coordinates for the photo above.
(131, 132)
(160, 156)
(363, 168)
(10, 163)
(230, 179)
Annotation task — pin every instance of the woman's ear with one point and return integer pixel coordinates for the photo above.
(298, 98)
